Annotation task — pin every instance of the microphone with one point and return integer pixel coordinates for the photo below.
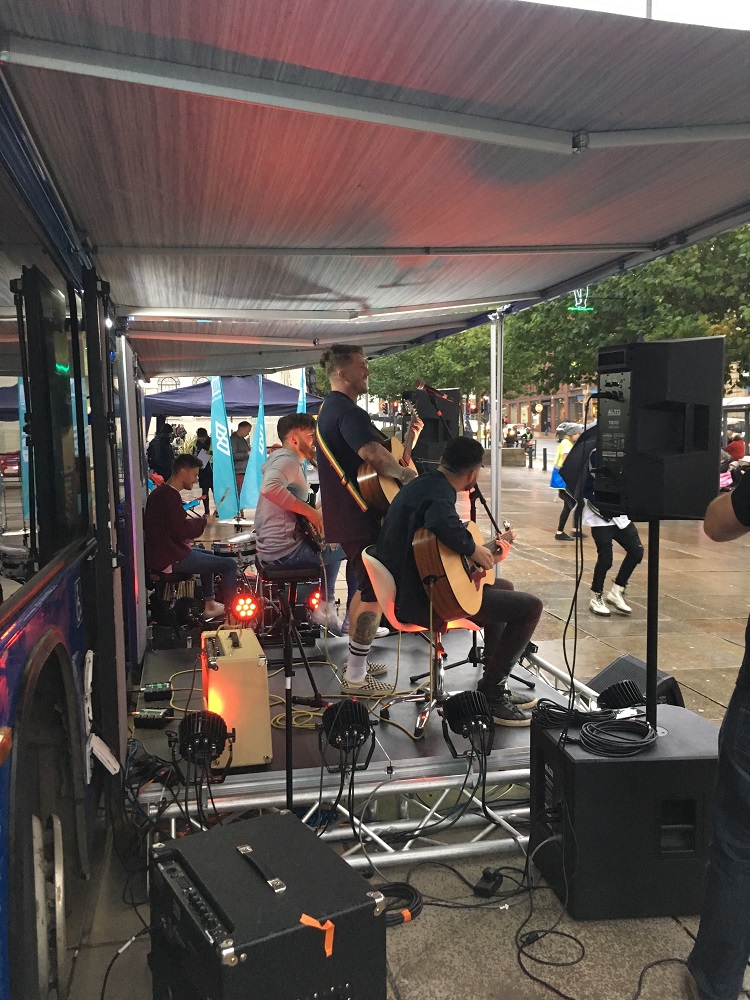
(477, 493)
(419, 384)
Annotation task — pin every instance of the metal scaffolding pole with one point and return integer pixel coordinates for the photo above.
(496, 405)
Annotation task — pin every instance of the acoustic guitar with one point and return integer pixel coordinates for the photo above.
(378, 490)
(459, 582)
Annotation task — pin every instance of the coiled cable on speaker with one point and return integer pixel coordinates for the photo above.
(550, 715)
(617, 737)
(404, 902)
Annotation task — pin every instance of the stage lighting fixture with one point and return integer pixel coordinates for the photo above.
(246, 606)
(202, 737)
(468, 714)
(623, 694)
(313, 601)
(347, 727)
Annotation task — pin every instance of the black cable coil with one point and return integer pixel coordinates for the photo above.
(617, 737)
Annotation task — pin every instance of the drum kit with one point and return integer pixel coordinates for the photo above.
(241, 546)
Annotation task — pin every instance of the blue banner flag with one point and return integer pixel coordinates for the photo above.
(302, 402)
(253, 476)
(24, 449)
(225, 483)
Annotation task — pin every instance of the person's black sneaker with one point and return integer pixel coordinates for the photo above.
(527, 700)
(504, 712)
(563, 536)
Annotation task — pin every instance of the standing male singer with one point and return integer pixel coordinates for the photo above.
(346, 439)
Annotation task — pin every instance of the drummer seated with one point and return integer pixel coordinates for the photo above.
(169, 531)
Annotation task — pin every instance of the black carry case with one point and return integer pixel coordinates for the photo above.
(224, 929)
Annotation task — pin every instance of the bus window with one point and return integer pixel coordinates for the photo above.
(56, 473)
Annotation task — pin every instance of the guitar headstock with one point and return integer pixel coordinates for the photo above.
(411, 409)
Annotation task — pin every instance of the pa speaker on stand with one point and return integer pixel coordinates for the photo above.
(659, 428)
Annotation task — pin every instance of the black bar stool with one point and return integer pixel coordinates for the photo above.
(283, 581)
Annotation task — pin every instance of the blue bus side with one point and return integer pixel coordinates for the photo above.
(58, 606)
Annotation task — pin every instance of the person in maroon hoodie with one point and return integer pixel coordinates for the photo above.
(169, 531)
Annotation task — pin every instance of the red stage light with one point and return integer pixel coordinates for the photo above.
(245, 606)
(314, 600)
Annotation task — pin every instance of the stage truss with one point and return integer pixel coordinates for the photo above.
(402, 812)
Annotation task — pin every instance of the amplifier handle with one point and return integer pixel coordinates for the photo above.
(257, 865)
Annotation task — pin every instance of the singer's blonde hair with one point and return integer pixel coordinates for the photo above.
(337, 355)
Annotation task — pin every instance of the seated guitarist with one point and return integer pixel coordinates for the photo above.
(346, 438)
(283, 498)
(508, 617)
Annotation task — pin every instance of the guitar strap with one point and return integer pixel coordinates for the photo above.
(345, 482)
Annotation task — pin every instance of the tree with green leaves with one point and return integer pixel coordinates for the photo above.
(700, 291)
(697, 292)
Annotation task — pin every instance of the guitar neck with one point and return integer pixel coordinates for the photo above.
(409, 436)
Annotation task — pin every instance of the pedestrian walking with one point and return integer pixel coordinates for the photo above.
(568, 434)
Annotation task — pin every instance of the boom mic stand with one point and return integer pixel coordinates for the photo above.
(476, 653)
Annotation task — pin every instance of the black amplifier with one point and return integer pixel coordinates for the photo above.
(625, 837)
(262, 908)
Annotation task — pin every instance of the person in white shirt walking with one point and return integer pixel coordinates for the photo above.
(605, 530)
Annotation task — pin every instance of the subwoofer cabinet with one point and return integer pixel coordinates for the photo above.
(630, 834)
(262, 908)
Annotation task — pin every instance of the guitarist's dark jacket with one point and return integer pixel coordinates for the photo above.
(429, 501)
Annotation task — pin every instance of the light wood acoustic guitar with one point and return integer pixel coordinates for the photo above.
(459, 582)
(378, 490)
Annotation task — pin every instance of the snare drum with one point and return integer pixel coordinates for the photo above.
(241, 546)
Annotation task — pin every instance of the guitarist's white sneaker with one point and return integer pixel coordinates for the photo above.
(325, 615)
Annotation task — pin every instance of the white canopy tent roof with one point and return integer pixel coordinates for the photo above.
(257, 180)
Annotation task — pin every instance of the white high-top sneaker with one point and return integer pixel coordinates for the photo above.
(616, 597)
(597, 605)
(326, 615)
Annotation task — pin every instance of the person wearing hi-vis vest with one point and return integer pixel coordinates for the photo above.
(346, 439)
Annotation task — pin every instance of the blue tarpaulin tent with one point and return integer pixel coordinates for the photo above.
(240, 394)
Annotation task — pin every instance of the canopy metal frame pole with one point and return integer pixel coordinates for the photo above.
(496, 406)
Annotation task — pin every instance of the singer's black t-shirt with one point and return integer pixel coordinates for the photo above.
(344, 427)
